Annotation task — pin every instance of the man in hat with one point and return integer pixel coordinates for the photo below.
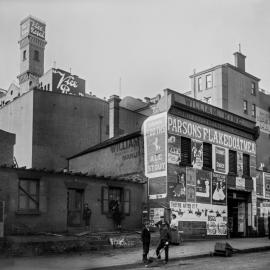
(164, 238)
(146, 237)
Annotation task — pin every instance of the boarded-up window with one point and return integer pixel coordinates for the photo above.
(28, 194)
(185, 150)
(232, 162)
(207, 155)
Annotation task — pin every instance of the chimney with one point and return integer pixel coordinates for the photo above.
(114, 101)
(239, 60)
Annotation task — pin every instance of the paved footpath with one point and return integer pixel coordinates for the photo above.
(124, 258)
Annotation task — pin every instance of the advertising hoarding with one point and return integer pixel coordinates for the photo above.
(155, 141)
(197, 154)
(219, 189)
(203, 186)
(220, 159)
(174, 149)
(157, 187)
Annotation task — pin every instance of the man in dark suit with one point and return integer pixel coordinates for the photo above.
(146, 237)
(165, 238)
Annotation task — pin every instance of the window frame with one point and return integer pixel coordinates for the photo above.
(24, 55)
(36, 55)
(207, 86)
(125, 199)
(253, 88)
(22, 192)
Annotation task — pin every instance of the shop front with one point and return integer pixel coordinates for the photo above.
(200, 170)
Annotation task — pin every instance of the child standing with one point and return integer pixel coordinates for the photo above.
(146, 238)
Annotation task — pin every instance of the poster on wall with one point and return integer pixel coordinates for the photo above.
(203, 186)
(215, 216)
(219, 189)
(267, 185)
(155, 143)
(197, 154)
(154, 215)
(239, 164)
(263, 120)
(220, 159)
(240, 183)
(191, 184)
(157, 187)
(177, 183)
(174, 149)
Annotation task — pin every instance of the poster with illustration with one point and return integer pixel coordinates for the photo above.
(220, 160)
(157, 187)
(215, 216)
(219, 189)
(191, 194)
(174, 149)
(203, 186)
(267, 185)
(191, 176)
(154, 215)
(177, 183)
(239, 164)
(197, 154)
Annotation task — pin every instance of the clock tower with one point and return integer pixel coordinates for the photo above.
(32, 45)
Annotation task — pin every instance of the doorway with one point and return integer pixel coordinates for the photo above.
(74, 207)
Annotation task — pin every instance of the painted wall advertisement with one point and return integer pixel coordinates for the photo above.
(177, 183)
(191, 184)
(263, 120)
(203, 186)
(267, 185)
(154, 215)
(193, 130)
(215, 216)
(220, 159)
(157, 187)
(66, 83)
(155, 141)
(174, 149)
(197, 154)
(219, 189)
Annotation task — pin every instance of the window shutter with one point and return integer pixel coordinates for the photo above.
(207, 155)
(232, 162)
(104, 200)
(185, 150)
(246, 167)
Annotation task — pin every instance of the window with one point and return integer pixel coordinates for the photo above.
(24, 55)
(246, 167)
(245, 106)
(253, 89)
(207, 155)
(253, 110)
(200, 84)
(185, 150)
(232, 162)
(28, 194)
(209, 81)
(36, 55)
(110, 195)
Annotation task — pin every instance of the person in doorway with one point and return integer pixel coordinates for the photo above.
(146, 238)
(164, 239)
(174, 230)
(116, 215)
(87, 216)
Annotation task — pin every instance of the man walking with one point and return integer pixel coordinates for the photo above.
(165, 237)
(146, 237)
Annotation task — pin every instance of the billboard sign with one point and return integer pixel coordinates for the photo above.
(157, 187)
(66, 83)
(174, 149)
(197, 154)
(155, 141)
(34, 27)
(219, 189)
(267, 185)
(203, 186)
(220, 159)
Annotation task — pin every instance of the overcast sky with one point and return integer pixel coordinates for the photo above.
(150, 44)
